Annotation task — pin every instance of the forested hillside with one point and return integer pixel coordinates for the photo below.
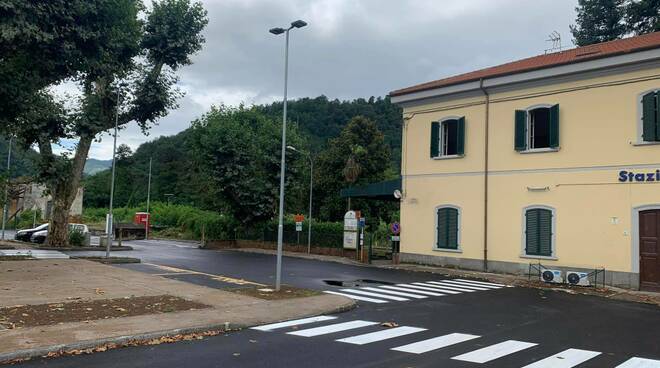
(193, 168)
(322, 119)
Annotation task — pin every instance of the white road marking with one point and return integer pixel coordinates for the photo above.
(639, 363)
(452, 287)
(566, 359)
(337, 327)
(355, 297)
(414, 296)
(417, 287)
(483, 283)
(435, 343)
(411, 290)
(438, 288)
(34, 253)
(467, 284)
(461, 286)
(362, 292)
(295, 322)
(494, 351)
(381, 335)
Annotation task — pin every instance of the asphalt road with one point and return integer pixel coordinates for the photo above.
(476, 327)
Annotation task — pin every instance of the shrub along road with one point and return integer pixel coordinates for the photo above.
(432, 322)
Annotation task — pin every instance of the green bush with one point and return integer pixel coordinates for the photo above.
(76, 238)
(177, 220)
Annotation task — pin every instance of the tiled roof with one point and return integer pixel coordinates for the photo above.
(576, 55)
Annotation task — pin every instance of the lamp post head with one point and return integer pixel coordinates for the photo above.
(291, 148)
(277, 30)
(298, 24)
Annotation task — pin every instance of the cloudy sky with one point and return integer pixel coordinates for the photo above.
(350, 49)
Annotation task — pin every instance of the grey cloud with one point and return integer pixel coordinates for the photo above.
(353, 48)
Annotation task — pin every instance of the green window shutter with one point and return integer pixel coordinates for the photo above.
(460, 141)
(531, 232)
(538, 231)
(545, 233)
(554, 126)
(442, 229)
(447, 228)
(435, 138)
(649, 117)
(521, 130)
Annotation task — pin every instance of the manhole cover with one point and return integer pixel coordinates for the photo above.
(357, 283)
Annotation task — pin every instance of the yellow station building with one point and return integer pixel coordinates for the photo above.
(553, 159)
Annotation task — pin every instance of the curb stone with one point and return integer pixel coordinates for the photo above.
(6, 358)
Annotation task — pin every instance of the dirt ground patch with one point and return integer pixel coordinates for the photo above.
(269, 293)
(87, 310)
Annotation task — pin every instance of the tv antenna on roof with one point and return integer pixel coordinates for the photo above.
(555, 38)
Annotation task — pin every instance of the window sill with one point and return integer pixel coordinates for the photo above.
(448, 157)
(539, 150)
(550, 258)
(642, 143)
(459, 250)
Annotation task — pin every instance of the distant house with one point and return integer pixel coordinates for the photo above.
(26, 195)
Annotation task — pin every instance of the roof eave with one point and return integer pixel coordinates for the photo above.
(529, 75)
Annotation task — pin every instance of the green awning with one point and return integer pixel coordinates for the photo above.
(383, 190)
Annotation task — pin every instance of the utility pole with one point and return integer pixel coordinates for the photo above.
(5, 209)
(112, 183)
(146, 224)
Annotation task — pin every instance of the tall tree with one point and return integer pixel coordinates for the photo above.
(359, 155)
(240, 149)
(113, 48)
(598, 21)
(643, 16)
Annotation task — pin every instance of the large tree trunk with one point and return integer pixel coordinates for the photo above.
(64, 193)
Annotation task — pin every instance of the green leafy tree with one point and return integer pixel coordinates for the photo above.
(110, 48)
(359, 155)
(240, 149)
(598, 21)
(643, 16)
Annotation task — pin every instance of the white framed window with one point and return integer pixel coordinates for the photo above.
(537, 128)
(538, 232)
(447, 228)
(448, 137)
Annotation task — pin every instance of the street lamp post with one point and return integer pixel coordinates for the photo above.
(112, 183)
(311, 186)
(146, 225)
(5, 207)
(280, 226)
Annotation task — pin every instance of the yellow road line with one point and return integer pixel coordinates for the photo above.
(182, 271)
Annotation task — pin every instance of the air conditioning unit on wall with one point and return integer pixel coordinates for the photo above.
(553, 276)
(577, 278)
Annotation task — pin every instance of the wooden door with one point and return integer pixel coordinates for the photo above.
(649, 250)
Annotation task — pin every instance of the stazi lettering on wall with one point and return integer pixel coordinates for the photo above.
(629, 176)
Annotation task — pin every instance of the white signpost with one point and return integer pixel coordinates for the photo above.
(350, 230)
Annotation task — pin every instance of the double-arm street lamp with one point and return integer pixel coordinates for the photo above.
(311, 185)
(280, 227)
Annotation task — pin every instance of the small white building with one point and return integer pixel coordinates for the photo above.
(32, 196)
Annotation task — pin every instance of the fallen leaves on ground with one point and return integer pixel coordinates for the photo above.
(389, 324)
(109, 346)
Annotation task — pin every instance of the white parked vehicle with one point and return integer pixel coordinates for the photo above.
(40, 236)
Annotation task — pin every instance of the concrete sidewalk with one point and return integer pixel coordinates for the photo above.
(61, 281)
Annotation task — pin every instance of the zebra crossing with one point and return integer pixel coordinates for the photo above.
(568, 358)
(381, 294)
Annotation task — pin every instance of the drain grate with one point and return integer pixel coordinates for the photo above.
(357, 283)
